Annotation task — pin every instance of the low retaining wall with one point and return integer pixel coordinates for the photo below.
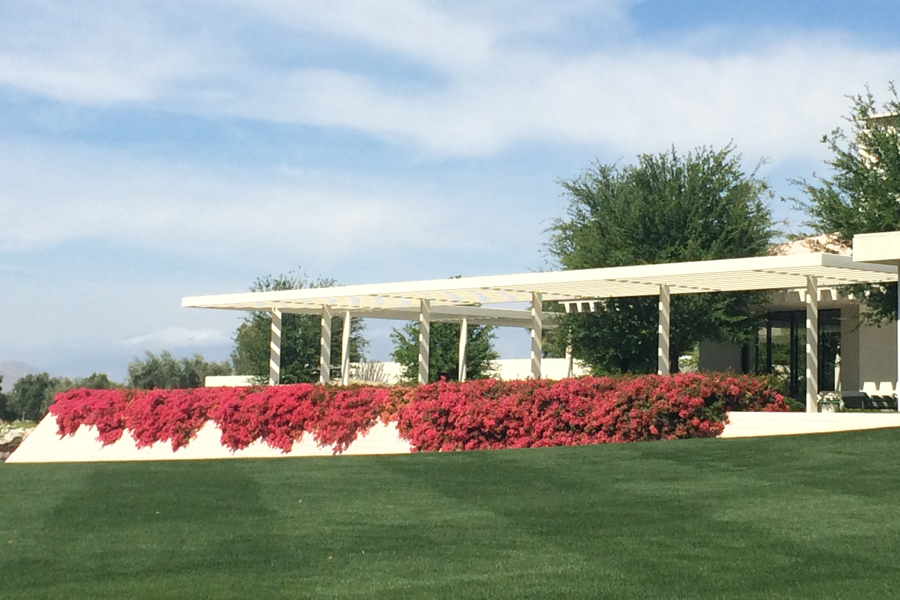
(43, 445)
(759, 424)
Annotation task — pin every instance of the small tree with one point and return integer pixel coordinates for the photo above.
(443, 358)
(6, 414)
(167, 372)
(299, 337)
(32, 395)
(666, 208)
(862, 194)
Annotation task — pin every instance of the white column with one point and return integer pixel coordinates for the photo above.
(537, 327)
(424, 339)
(812, 344)
(463, 341)
(275, 348)
(345, 349)
(325, 347)
(570, 361)
(664, 366)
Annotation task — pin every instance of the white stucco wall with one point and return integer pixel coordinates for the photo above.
(877, 355)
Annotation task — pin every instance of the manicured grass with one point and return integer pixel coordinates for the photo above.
(803, 517)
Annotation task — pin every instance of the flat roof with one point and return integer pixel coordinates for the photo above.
(465, 297)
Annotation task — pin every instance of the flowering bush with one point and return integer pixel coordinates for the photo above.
(441, 416)
(572, 412)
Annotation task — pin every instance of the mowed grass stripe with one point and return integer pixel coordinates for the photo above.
(798, 517)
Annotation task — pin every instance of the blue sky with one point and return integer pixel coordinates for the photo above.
(155, 150)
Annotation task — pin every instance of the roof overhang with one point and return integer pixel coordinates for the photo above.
(454, 299)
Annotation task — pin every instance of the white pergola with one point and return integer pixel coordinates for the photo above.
(463, 300)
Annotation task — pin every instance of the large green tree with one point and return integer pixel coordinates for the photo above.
(667, 207)
(862, 192)
(167, 372)
(299, 336)
(443, 347)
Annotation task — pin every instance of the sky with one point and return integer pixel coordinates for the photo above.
(152, 150)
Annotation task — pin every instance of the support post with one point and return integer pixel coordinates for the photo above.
(664, 365)
(325, 347)
(275, 348)
(812, 344)
(537, 327)
(463, 341)
(345, 349)
(424, 339)
(570, 361)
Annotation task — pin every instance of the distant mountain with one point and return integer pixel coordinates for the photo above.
(12, 371)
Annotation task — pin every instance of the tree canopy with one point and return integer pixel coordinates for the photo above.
(299, 336)
(6, 414)
(443, 358)
(33, 394)
(667, 207)
(167, 372)
(862, 192)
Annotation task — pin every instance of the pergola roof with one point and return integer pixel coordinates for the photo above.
(454, 299)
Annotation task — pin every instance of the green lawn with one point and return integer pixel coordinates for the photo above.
(803, 517)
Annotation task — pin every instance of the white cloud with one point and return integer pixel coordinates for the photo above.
(480, 92)
(177, 337)
(66, 193)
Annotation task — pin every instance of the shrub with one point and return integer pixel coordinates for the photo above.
(441, 416)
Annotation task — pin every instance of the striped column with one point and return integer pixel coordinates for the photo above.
(424, 339)
(537, 328)
(812, 344)
(325, 346)
(275, 348)
(664, 365)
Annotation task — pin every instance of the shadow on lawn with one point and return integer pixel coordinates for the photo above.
(158, 520)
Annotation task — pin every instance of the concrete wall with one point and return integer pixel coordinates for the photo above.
(877, 355)
(757, 424)
(850, 347)
(45, 446)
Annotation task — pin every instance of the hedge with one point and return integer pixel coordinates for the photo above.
(443, 416)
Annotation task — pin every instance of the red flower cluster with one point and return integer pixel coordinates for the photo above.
(573, 412)
(442, 416)
(279, 416)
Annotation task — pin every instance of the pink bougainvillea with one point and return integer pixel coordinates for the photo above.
(443, 416)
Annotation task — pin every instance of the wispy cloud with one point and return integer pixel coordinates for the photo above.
(177, 337)
(479, 90)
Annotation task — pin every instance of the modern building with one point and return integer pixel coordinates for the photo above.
(809, 323)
